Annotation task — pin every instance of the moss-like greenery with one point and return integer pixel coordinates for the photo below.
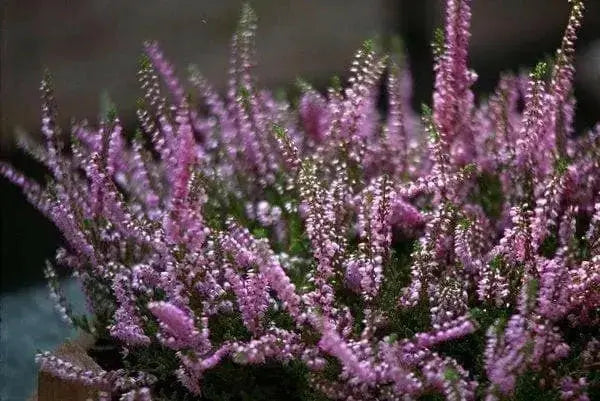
(488, 194)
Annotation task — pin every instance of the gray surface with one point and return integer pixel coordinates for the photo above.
(29, 323)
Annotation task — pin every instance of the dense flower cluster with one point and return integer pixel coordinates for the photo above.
(393, 258)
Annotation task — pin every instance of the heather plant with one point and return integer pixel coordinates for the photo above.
(239, 247)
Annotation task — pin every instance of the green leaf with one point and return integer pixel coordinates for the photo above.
(438, 44)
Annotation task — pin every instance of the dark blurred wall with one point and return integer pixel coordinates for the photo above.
(92, 46)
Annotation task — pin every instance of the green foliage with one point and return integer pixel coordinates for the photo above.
(354, 303)
(432, 397)
(582, 222)
(101, 296)
(245, 96)
(269, 381)
(333, 368)
(488, 194)
(541, 71)
(47, 80)
(549, 246)
(528, 388)
(221, 205)
(144, 63)
(438, 44)
(260, 232)
(280, 318)
(369, 46)
(532, 289)
(469, 350)
(298, 241)
(82, 323)
(162, 363)
(303, 86)
(431, 128)
(227, 381)
(401, 323)
(336, 83)
(228, 327)
(248, 18)
(279, 131)
(560, 165)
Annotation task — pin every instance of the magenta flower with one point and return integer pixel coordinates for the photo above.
(381, 257)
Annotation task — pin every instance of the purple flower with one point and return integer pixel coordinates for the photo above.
(340, 238)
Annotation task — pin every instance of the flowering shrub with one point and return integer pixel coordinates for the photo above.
(236, 246)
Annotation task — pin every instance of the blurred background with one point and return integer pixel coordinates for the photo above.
(92, 48)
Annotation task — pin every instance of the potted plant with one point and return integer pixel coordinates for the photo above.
(241, 248)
